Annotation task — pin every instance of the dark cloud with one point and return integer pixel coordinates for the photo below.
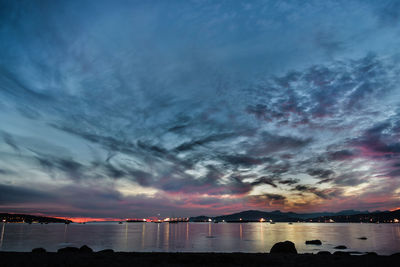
(274, 196)
(265, 180)
(378, 141)
(95, 197)
(327, 180)
(141, 177)
(389, 14)
(206, 140)
(65, 201)
(328, 43)
(268, 143)
(113, 171)
(320, 173)
(321, 193)
(350, 179)
(152, 148)
(110, 143)
(341, 87)
(278, 168)
(290, 181)
(341, 154)
(245, 160)
(301, 188)
(265, 113)
(72, 169)
(9, 140)
(6, 172)
(10, 194)
(14, 87)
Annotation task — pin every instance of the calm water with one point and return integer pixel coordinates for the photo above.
(200, 237)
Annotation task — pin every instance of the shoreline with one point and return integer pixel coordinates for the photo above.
(110, 258)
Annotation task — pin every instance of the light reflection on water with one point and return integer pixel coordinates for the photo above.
(200, 237)
(2, 235)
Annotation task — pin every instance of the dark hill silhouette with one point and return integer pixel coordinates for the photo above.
(256, 215)
(374, 217)
(278, 216)
(30, 218)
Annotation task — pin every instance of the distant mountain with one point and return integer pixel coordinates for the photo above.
(256, 215)
(201, 218)
(251, 215)
(320, 214)
(6, 217)
(278, 216)
(373, 217)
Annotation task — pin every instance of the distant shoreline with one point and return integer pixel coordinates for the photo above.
(349, 216)
(226, 222)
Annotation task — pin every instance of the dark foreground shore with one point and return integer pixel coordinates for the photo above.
(11, 259)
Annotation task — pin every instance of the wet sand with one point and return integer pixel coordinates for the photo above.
(98, 259)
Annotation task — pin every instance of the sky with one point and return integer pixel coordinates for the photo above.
(124, 109)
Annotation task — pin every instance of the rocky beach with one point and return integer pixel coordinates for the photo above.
(281, 254)
(14, 259)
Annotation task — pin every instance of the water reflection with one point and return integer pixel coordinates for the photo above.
(126, 235)
(2, 234)
(65, 233)
(187, 231)
(143, 233)
(166, 236)
(158, 235)
(221, 237)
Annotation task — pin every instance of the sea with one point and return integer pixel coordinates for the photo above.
(383, 239)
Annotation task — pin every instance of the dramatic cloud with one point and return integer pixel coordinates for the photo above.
(130, 109)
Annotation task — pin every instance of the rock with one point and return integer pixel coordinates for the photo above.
(314, 242)
(286, 247)
(38, 250)
(85, 249)
(106, 251)
(362, 238)
(68, 250)
(324, 253)
(371, 254)
(341, 253)
(355, 252)
(340, 247)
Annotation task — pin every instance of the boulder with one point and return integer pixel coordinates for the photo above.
(371, 254)
(355, 252)
(286, 247)
(106, 251)
(341, 253)
(85, 249)
(324, 253)
(314, 242)
(68, 250)
(38, 250)
(340, 247)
